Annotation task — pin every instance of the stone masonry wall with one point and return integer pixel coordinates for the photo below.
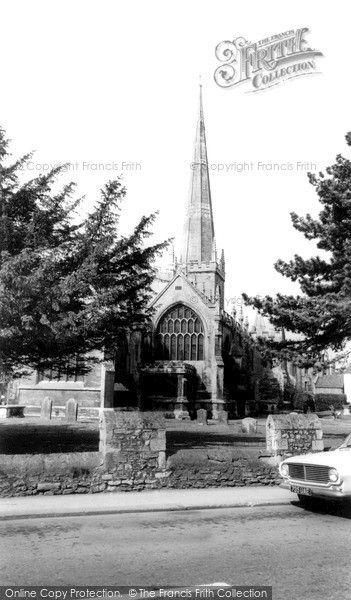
(26, 475)
(133, 445)
(288, 435)
(50, 474)
(225, 467)
(132, 457)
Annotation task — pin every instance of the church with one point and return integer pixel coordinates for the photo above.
(194, 355)
(203, 357)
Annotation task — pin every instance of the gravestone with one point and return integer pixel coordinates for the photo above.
(201, 415)
(46, 408)
(71, 410)
(249, 425)
(223, 417)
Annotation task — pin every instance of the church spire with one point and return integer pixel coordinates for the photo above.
(198, 236)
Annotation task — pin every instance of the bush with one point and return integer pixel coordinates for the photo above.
(323, 401)
(303, 401)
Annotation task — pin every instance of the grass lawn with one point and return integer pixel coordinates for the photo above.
(182, 435)
(34, 436)
(335, 430)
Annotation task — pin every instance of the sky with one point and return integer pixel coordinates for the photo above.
(109, 85)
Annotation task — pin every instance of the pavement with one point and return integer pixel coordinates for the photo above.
(22, 507)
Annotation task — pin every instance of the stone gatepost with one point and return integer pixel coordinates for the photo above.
(288, 435)
(46, 408)
(107, 384)
(133, 448)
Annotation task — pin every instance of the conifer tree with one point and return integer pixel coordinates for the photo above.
(321, 314)
(67, 287)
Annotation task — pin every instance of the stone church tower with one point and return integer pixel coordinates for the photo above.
(199, 253)
(189, 320)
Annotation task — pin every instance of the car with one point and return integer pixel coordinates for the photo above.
(323, 475)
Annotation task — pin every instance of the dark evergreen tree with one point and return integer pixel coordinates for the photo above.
(268, 387)
(322, 313)
(67, 287)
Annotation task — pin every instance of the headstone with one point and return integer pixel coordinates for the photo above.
(46, 408)
(223, 417)
(201, 415)
(71, 410)
(249, 425)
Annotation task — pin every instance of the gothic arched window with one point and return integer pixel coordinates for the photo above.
(180, 335)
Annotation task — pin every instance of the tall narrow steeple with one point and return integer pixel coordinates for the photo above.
(198, 235)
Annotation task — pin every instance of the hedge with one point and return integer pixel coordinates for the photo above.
(323, 401)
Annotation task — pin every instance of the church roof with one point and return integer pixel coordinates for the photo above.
(198, 235)
(334, 380)
(262, 327)
(180, 275)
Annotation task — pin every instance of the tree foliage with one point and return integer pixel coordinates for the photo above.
(67, 285)
(321, 314)
(268, 387)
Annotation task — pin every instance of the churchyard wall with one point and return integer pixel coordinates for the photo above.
(132, 457)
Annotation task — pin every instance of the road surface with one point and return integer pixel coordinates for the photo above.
(301, 553)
